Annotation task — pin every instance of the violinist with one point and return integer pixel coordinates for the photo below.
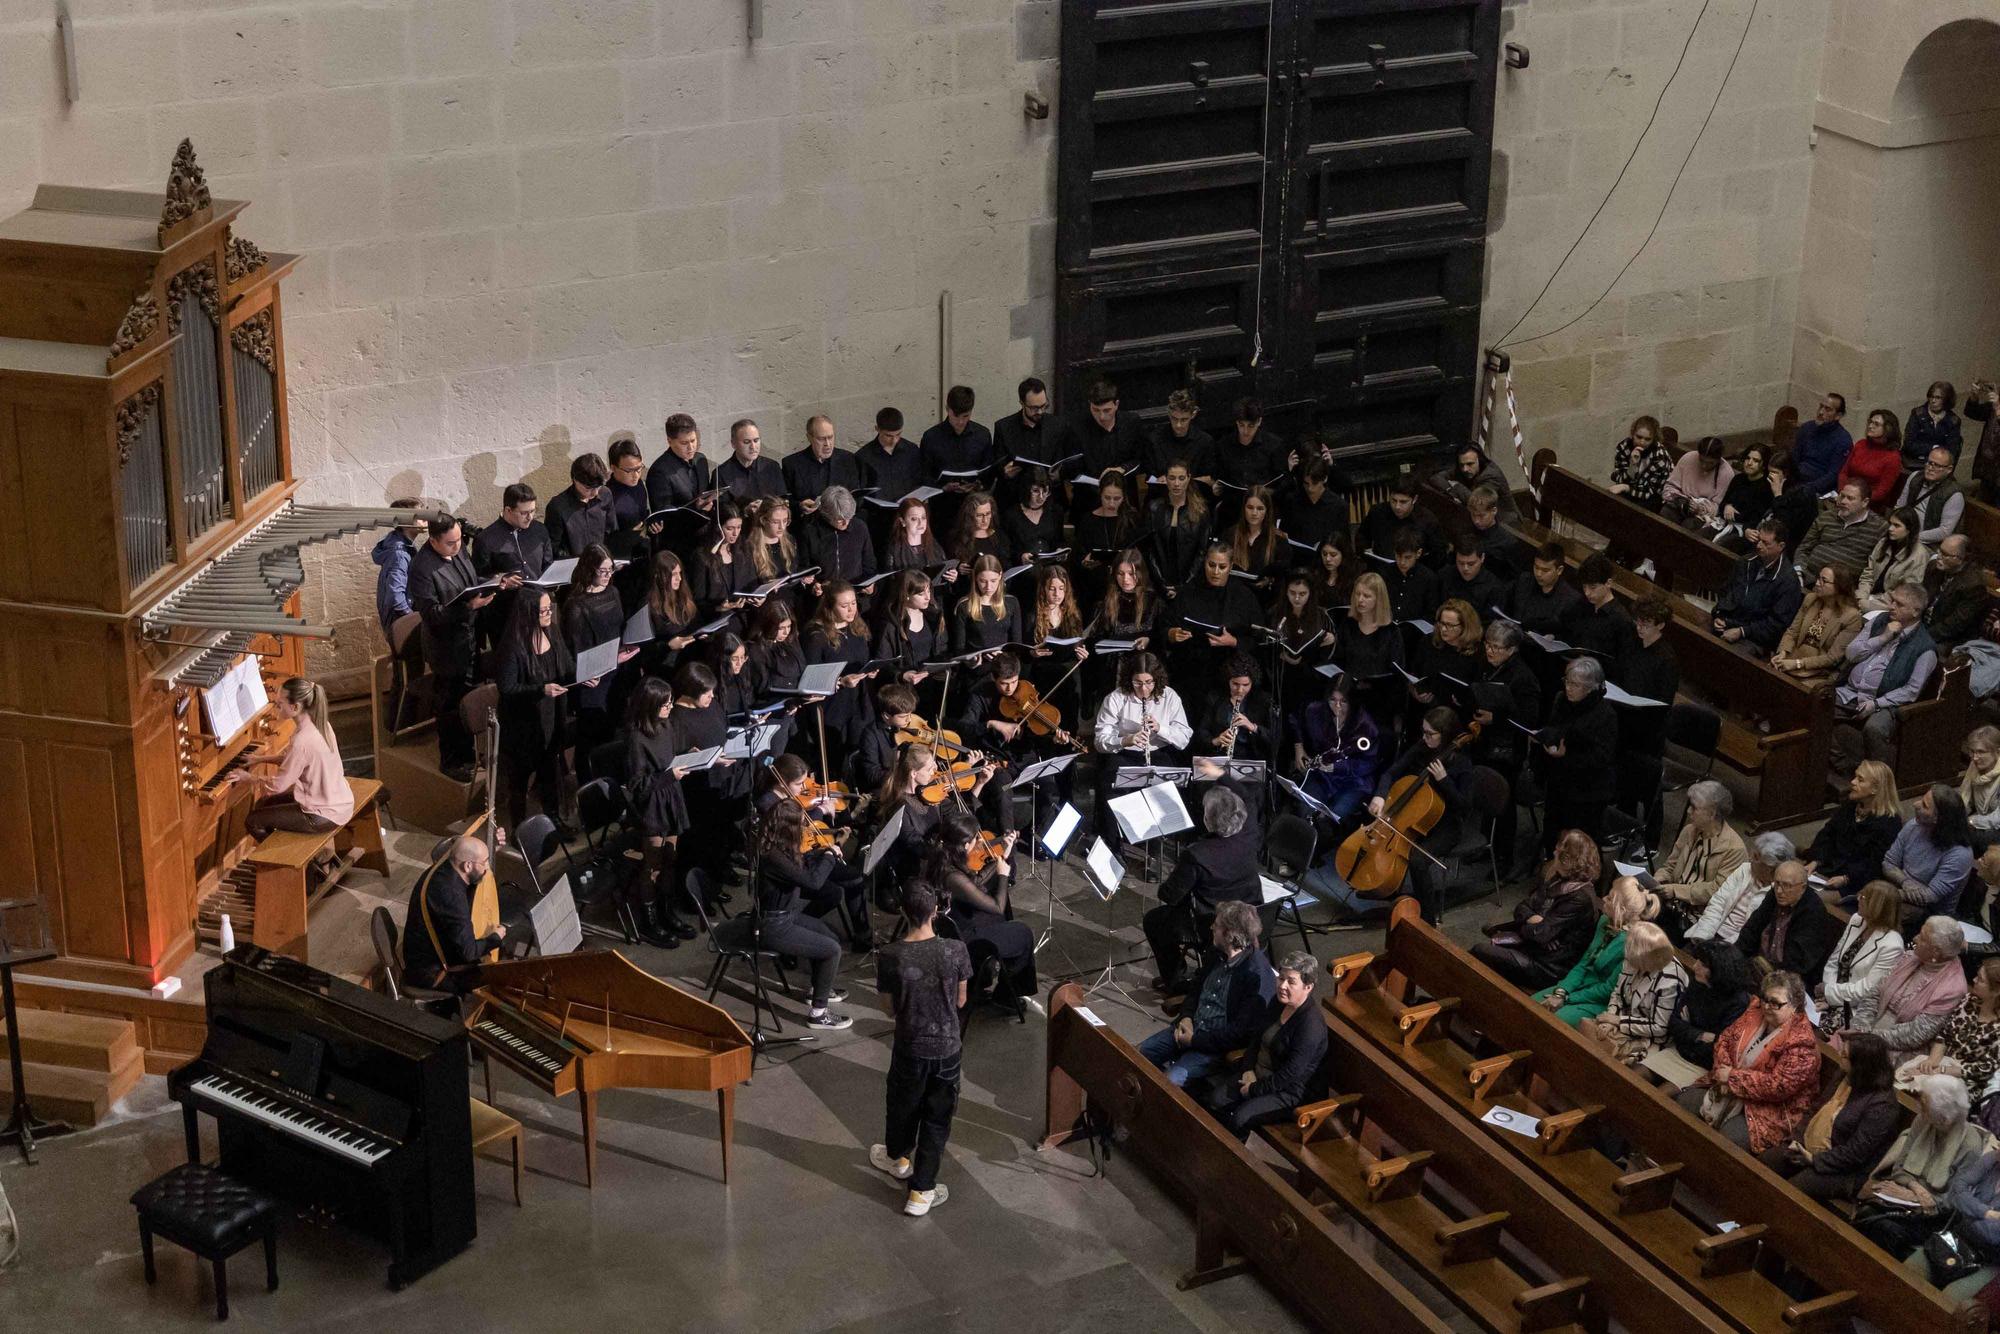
(657, 810)
(842, 887)
(1011, 740)
(916, 769)
(876, 749)
(1003, 950)
(785, 878)
(1435, 758)
(1339, 754)
(788, 779)
(1141, 722)
(971, 777)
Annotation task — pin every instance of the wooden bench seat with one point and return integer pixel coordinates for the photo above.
(283, 858)
(1721, 1182)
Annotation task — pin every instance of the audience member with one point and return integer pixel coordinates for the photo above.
(1820, 447)
(1552, 925)
(1923, 990)
(1933, 425)
(1931, 859)
(1227, 1007)
(1706, 852)
(1585, 989)
(1861, 1120)
(1986, 456)
(1972, 1204)
(1959, 597)
(1969, 1044)
(1633, 1024)
(1979, 786)
(1749, 496)
(1848, 850)
(1888, 665)
(1898, 558)
(1766, 1069)
(1791, 930)
(1844, 533)
(1936, 496)
(1876, 460)
(1762, 595)
(1641, 465)
(1918, 1170)
(1721, 985)
(1282, 1068)
(1743, 891)
(1814, 647)
(1850, 989)
(1698, 483)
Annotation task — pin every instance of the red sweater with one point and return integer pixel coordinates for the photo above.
(1880, 470)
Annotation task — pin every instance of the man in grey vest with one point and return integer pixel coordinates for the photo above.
(1888, 665)
(1936, 496)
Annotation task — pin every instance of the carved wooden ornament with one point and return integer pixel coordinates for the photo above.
(132, 414)
(187, 191)
(141, 318)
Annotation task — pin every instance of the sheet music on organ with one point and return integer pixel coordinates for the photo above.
(234, 700)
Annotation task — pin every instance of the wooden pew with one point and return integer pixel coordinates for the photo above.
(1362, 1146)
(1573, 1088)
(1246, 1215)
(1686, 562)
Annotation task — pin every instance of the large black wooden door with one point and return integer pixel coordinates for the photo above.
(1279, 198)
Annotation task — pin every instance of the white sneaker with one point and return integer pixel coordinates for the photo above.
(922, 1202)
(879, 1159)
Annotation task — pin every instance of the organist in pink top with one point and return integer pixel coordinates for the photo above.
(308, 794)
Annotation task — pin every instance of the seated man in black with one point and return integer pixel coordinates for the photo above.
(1227, 1007)
(439, 949)
(1220, 867)
(1762, 596)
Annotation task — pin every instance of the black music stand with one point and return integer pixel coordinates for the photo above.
(24, 938)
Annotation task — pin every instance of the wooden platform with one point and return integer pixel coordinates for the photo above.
(76, 1065)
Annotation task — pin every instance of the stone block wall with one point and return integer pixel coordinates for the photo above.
(528, 224)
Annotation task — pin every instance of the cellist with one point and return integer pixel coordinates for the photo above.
(1439, 762)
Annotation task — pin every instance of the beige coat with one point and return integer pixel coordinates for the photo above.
(1698, 865)
(1818, 637)
(1906, 569)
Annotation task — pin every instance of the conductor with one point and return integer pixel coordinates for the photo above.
(438, 944)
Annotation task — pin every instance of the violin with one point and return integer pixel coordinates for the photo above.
(1027, 707)
(1375, 859)
(960, 777)
(986, 849)
(947, 743)
(816, 837)
(812, 792)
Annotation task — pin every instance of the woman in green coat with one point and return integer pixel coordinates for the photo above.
(1586, 989)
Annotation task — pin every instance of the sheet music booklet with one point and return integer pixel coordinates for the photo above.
(1151, 812)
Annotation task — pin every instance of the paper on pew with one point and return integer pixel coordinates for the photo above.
(1518, 1122)
(1669, 1065)
(1089, 1016)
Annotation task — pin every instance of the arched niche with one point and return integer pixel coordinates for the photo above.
(1900, 278)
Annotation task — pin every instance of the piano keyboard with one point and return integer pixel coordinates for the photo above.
(248, 1100)
(499, 1036)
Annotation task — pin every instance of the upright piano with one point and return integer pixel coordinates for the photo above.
(581, 1023)
(335, 1096)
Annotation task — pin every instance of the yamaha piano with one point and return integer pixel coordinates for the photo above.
(593, 1020)
(334, 1096)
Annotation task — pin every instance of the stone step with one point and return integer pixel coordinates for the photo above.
(80, 1097)
(82, 1041)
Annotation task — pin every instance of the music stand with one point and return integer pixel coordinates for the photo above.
(1030, 777)
(1144, 776)
(24, 939)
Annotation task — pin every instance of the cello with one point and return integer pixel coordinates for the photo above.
(1375, 859)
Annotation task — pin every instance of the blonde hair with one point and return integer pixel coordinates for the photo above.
(1382, 615)
(1885, 801)
(1470, 628)
(972, 606)
(1647, 948)
(1627, 904)
(760, 551)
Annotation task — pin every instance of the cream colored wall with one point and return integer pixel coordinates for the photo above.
(1901, 242)
(1699, 329)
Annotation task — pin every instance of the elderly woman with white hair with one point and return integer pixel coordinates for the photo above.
(1634, 1023)
(1742, 891)
(1906, 1198)
(1219, 867)
(1705, 853)
(1922, 991)
(1579, 754)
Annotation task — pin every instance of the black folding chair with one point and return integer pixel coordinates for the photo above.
(739, 940)
(1289, 847)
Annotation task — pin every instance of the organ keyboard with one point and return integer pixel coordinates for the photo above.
(337, 1097)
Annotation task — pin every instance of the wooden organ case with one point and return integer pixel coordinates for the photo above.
(146, 488)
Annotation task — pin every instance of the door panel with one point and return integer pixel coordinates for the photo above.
(1279, 198)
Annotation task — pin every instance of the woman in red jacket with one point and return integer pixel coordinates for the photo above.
(1766, 1069)
(1876, 460)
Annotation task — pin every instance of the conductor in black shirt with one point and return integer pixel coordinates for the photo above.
(439, 948)
(1219, 867)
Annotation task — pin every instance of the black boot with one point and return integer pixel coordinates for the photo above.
(672, 923)
(651, 930)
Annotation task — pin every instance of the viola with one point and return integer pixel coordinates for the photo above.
(1027, 707)
(1375, 859)
(947, 743)
(960, 777)
(816, 837)
(811, 792)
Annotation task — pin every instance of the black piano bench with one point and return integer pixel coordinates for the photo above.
(212, 1215)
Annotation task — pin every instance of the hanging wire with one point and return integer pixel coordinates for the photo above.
(1603, 203)
(1741, 39)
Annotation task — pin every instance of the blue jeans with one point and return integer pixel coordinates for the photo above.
(1180, 1065)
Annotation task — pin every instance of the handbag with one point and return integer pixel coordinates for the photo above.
(1952, 1252)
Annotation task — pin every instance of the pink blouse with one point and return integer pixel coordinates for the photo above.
(311, 774)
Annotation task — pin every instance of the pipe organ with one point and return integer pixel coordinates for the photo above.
(148, 583)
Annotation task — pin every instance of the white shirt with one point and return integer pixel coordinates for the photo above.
(1729, 907)
(1119, 717)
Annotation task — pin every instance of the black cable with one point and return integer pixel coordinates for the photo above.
(1741, 40)
(1605, 202)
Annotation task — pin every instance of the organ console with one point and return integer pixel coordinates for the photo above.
(153, 529)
